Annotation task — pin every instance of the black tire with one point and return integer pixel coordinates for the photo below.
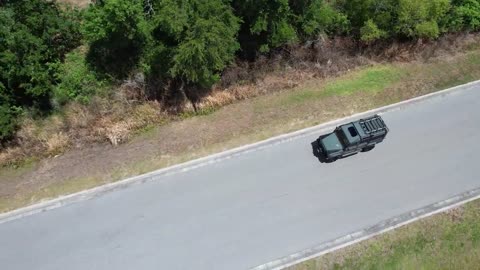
(366, 149)
(331, 160)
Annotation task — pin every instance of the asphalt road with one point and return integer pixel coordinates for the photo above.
(262, 205)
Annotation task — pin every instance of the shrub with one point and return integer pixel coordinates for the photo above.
(116, 32)
(427, 30)
(192, 42)
(265, 25)
(370, 32)
(36, 34)
(7, 116)
(76, 81)
(420, 18)
(465, 15)
(313, 17)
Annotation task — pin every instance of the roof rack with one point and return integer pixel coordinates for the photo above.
(372, 125)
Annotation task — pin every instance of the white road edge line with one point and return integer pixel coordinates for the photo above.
(90, 193)
(375, 230)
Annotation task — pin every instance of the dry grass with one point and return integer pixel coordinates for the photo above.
(57, 143)
(118, 127)
(104, 120)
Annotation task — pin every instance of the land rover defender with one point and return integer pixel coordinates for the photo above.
(352, 138)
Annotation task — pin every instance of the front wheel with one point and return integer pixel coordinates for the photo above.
(332, 160)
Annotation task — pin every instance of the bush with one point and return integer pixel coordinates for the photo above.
(76, 81)
(465, 15)
(313, 17)
(427, 30)
(374, 19)
(265, 25)
(190, 44)
(7, 122)
(7, 116)
(420, 18)
(370, 32)
(34, 37)
(359, 12)
(116, 31)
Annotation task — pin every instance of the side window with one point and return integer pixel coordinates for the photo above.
(352, 131)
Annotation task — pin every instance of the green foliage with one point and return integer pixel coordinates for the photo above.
(465, 15)
(7, 121)
(266, 24)
(371, 20)
(370, 32)
(317, 16)
(7, 115)
(116, 31)
(208, 43)
(192, 41)
(76, 81)
(376, 19)
(419, 18)
(35, 35)
(270, 24)
(427, 29)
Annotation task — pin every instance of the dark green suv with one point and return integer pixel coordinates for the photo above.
(352, 138)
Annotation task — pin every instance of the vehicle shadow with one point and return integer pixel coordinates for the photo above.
(316, 152)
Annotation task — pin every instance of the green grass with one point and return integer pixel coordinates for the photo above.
(446, 241)
(50, 192)
(17, 168)
(371, 79)
(465, 72)
(201, 112)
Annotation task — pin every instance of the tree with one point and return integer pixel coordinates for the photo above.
(266, 24)
(7, 115)
(396, 18)
(370, 32)
(192, 42)
(420, 18)
(35, 36)
(465, 14)
(312, 17)
(116, 31)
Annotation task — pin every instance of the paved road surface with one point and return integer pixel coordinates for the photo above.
(259, 206)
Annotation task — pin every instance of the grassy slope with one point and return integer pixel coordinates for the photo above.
(311, 103)
(449, 240)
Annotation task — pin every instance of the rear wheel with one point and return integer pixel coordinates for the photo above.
(369, 148)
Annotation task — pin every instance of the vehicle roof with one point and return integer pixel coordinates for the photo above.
(352, 135)
(364, 129)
